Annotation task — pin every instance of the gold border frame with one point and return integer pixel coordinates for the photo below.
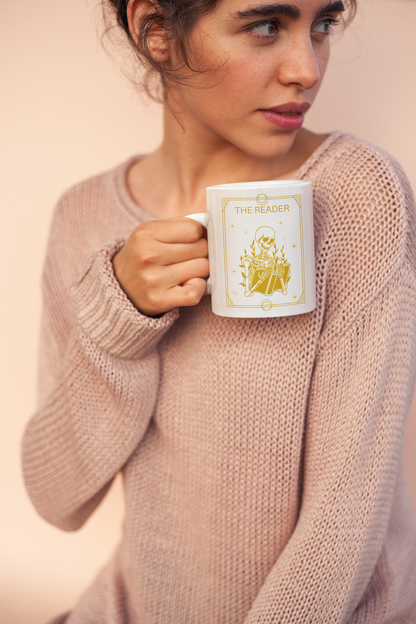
(228, 301)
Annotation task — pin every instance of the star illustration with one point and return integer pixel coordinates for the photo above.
(293, 246)
(281, 223)
(245, 232)
(232, 226)
(294, 296)
(233, 271)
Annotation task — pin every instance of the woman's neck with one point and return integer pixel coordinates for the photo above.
(172, 180)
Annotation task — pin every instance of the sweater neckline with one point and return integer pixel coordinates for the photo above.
(126, 200)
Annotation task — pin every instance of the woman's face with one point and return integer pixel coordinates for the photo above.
(262, 64)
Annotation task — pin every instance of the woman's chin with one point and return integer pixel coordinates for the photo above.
(272, 148)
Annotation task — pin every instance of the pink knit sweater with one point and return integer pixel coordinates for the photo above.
(262, 458)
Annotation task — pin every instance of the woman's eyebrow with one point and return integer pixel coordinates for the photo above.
(288, 10)
(266, 10)
(331, 7)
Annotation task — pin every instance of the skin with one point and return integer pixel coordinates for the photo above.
(214, 133)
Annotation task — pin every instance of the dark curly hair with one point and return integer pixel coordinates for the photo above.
(176, 18)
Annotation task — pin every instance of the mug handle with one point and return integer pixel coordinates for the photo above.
(202, 218)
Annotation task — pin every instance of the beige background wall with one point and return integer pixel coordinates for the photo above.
(66, 114)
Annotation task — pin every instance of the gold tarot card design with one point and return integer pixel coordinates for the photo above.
(264, 272)
(263, 256)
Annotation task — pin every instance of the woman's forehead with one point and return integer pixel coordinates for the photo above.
(246, 9)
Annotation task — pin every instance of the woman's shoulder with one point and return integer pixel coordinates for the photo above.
(88, 215)
(356, 165)
(361, 192)
(365, 227)
(104, 195)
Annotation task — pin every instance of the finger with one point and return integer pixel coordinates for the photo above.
(181, 252)
(189, 294)
(147, 253)
(178, 230)
(180, 273)
(179, 295)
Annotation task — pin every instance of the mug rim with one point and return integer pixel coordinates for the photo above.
(259, 183)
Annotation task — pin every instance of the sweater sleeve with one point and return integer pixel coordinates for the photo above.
(99, 378)
(359, 399)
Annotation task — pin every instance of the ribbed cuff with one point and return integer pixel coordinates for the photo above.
(107, 316)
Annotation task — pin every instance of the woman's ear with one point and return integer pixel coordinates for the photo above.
(158, 44)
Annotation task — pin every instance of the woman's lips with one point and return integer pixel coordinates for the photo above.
(287, 116)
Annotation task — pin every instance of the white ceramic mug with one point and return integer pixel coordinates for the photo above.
(260, 248)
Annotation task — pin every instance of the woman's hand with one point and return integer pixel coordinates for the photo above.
(163, 265)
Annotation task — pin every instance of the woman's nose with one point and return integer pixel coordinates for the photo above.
(300, 65)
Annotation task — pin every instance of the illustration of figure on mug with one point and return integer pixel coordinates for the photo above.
(265, 273)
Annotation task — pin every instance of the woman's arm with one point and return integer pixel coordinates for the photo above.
(359, 399)
(99, 376)
(347, 559)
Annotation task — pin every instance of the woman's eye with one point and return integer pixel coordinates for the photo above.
(264, 29)
(325, 26)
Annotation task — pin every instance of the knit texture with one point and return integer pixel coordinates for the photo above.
(262, 458)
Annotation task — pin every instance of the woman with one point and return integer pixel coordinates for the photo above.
(262, 458)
